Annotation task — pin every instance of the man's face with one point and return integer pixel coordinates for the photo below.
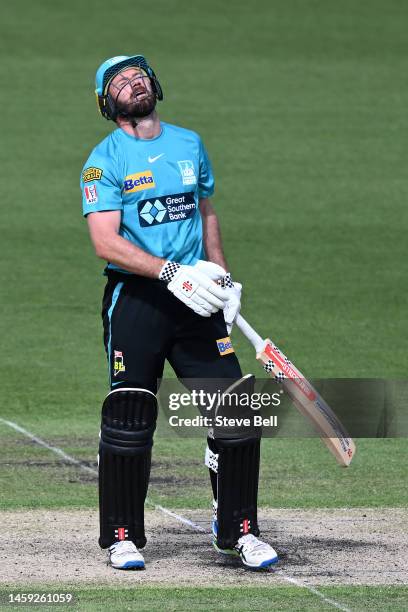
(132, 92)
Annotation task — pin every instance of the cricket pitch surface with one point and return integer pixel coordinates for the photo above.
(322, 547)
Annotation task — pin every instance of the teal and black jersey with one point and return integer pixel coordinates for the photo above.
(157, 185)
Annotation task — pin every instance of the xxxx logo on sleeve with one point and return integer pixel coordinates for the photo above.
(139, 181)
(92, 174)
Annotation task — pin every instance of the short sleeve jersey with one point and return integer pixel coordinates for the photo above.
(157, 185)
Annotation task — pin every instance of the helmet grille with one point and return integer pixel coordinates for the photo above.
(138, 61)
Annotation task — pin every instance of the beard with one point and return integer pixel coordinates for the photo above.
(135, 108)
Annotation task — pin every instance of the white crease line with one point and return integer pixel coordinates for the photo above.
(54, 449)
(327, 600)
(181, 519)
(70, 459)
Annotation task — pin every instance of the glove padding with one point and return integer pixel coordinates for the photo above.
(232, 290)
(233, 304)
(212, 270)
(197, 291)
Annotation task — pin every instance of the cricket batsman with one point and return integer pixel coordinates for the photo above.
(146, 197)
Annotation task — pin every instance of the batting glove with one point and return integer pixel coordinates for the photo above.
(212, 270)
(232, 290)
(194, 288)
(233, 305)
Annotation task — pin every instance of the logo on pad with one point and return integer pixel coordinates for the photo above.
(121, 533)
(225, 346)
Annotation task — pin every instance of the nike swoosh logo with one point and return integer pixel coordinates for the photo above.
(153, 159)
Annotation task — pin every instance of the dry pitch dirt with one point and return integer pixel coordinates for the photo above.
(320, 547)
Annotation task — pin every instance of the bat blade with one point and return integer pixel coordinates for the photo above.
(308, 401)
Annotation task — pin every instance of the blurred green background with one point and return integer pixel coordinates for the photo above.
(303, 109)
(302, 106)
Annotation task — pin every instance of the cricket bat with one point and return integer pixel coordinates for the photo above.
(306, 399)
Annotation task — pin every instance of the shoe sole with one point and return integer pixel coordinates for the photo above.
(130, 565)
(263, 565)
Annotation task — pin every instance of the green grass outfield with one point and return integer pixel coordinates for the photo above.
(294, 474)
(303, 108)
(147, 599)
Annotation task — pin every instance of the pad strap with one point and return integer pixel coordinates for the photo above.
(211, 460)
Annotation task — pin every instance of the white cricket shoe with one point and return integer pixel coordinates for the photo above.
(124, 555)
(255, 553)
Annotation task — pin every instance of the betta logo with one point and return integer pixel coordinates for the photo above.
(139, 181)
(224, 346)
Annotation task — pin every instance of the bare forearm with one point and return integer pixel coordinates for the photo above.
(212, 234)
(123, 253)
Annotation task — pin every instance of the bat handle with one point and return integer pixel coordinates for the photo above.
(255, 339)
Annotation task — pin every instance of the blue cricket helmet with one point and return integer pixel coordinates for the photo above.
(109, 69)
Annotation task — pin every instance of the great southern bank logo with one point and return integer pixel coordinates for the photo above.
(166, 209)
(153, 212)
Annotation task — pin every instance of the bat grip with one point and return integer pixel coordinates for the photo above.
(255, 339)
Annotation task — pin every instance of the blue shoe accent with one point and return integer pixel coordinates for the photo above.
(131, 564)
(269, 562)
